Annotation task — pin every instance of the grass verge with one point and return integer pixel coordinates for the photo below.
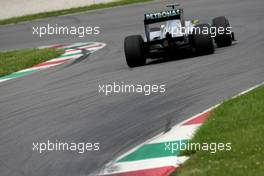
(239, 121)
(69, 11)
(12, 61)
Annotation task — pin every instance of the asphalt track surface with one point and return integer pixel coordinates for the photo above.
(63, 102)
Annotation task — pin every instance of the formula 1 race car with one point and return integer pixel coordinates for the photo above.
(174, 34)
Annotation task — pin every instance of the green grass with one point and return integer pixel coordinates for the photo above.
(69, 11)
(12, 61)
(241, 122)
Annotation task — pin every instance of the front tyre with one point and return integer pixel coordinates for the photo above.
(223, 38)
(134, 51)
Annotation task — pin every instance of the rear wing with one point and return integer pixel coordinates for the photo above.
(157, 17)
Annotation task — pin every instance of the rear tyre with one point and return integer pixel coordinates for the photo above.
(223, 36)
(134, 51)
(202, 40)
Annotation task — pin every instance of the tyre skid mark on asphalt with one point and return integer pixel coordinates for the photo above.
(72, 52)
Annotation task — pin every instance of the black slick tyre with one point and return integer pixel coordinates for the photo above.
(223, 37)
(202, 40)
(134, 51)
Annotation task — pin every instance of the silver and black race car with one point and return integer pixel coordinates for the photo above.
(172, 34)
